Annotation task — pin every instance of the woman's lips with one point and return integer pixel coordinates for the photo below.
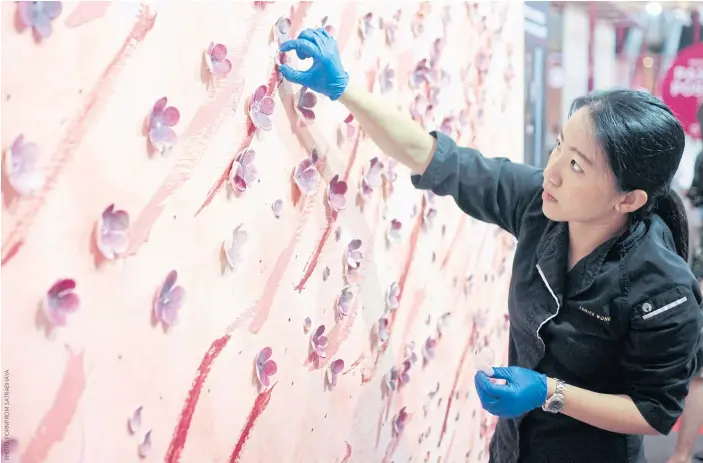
(547, 197)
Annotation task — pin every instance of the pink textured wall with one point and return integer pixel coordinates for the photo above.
(82, 95)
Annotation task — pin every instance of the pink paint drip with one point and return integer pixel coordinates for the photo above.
(180, 434)
(455, 240)
(312, 262)
(30, 207)
(389, 400)
(11, 252)
(352, 156)
(414, 237)
(201, 129)
(347, 456)
(258, 313)
(379, 426)
(355, 365)
(456, 428)
(457, 376)
(346, 27)
(413, 313)
(368, 373)
(217, 186)
(451, 444)
(263, 307)
(86, 12)
(406, 65)
(53, 426)
(260, 404)
(390, 450)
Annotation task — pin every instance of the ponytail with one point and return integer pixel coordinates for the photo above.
(671, 209)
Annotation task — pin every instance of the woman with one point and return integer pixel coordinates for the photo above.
(604, 311)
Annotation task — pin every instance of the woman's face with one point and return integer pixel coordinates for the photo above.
(578, 183)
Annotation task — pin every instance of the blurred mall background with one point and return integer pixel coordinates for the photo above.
(575, 47)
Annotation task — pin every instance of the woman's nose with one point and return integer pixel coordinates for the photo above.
(551, 172)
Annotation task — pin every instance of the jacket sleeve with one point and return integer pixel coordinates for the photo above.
(493, 190)
(662, 355)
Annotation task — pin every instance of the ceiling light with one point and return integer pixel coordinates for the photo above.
(653, 8)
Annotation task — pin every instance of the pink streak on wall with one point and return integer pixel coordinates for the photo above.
(52, 427)
(86, 12)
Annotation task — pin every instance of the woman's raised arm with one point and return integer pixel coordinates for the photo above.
(494, 190)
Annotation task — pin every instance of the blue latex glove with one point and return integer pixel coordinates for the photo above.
(326, 75)
(524, 391)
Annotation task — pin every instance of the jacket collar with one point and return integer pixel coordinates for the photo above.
(553, 255)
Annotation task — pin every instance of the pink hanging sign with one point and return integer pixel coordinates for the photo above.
(682, 87)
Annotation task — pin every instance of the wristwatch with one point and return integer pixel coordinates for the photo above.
(555, 403)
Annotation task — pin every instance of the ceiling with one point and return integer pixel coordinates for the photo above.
(667, 5)
(627, 12)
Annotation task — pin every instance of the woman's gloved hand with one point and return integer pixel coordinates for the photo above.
(326, 75)
(524, 391)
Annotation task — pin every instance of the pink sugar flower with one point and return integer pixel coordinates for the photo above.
(335, 194)
(60, 301)
(243, 172)
(265, 367)
(335, 369)
(161, 120)
(319, 342)
(169, 300)
(261, 108)
(111, 233)
(216, 60)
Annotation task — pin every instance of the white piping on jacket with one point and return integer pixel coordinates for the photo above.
(669, 306)
(544, 279)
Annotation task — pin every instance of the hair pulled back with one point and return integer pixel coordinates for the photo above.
(643, 143)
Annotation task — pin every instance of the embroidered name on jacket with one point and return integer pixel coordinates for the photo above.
(594, 315)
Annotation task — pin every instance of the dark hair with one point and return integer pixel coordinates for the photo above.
(643, 143)
(699, 115)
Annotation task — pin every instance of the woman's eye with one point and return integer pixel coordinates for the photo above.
(575, 166)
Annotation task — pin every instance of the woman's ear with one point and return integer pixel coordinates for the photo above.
(631, 201)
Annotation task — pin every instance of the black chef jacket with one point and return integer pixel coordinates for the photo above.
(625, 320)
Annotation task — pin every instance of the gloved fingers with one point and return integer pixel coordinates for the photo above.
(293, 75)
(485, 386)
(484, 396)
(323, 36)
(309, 34)
(489, 402)
(303, 48)
(312, 49)
(503, 373)
(316, 37)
